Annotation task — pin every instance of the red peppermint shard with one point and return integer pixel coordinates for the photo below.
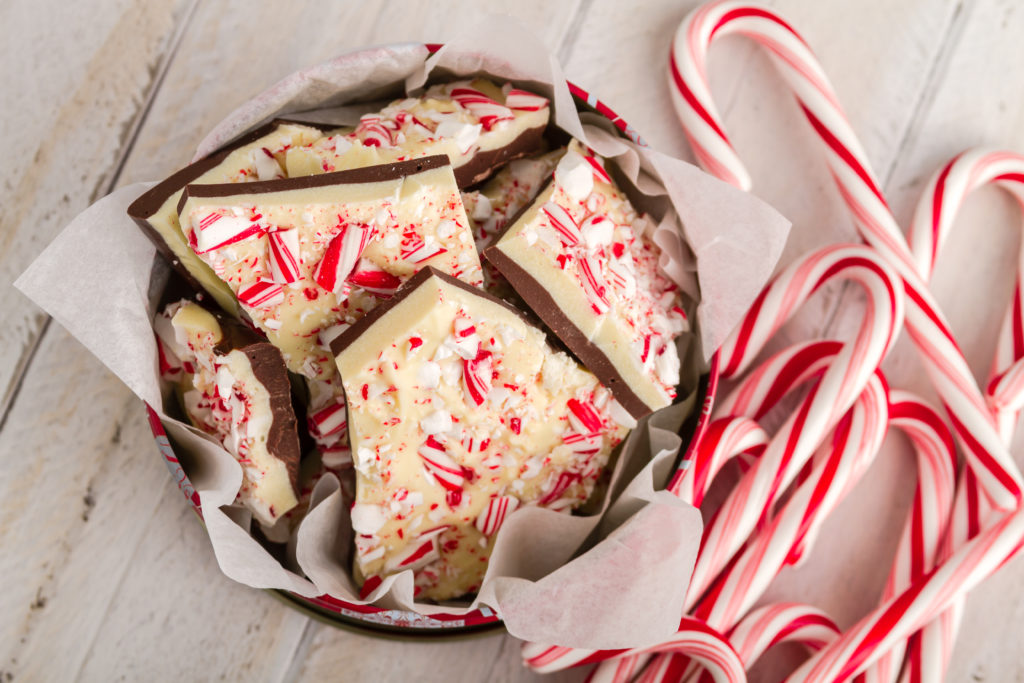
(284, 256)
(342, 255)
(476, 377)
(329, 420)
(584, 417)
(483, 107)
(564, 481)
(374, 280)
(372, 131)
(418, 554)
(263, 293)
(599, 170)
(593, 284)
(217, 230)
(493, 516)
(521, 100)
(418, 251)
(439, 464)
(561, 221)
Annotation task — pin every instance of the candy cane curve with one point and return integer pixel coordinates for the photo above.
(933, 221)
(934, 217)
(973, 424)
(737, 432)
(826, 402)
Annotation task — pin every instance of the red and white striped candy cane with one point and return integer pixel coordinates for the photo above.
(934, 217)
(738, 433)
(795, 442)
(973, 425)
(856, 441)
(920, 544)
(694, 638)
(927, 598)
(768, 626)
(936, 212)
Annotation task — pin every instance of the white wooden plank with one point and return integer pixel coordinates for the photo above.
(74, 78)
(219, 67)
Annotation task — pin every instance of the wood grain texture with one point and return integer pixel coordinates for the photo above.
(74, 90)
(118, 576)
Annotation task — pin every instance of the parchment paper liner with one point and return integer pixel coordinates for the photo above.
(627, 589)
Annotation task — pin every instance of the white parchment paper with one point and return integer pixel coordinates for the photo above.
(627, 588)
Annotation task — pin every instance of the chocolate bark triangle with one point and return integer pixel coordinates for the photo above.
(460, 412)
(477, 124)
(305, 255)
(234, 386)
(257, 156)
(582, 259)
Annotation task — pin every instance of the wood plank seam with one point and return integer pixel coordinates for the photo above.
(922, 105)
(29, 352)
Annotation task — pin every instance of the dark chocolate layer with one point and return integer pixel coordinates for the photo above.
(483, 164)
(342, 341)
(270, 370)
(589, 354)
(150, 202)
(355, 176)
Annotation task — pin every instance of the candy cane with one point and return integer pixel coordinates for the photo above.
(940, 203)
(795, 442)
(934, 217)
(902, 615)
(768, 626)
(922, 536)
(973, 425)
(694, 638)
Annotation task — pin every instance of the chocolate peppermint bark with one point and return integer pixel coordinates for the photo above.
(257, 156)
(459, 413)
(477, 124)
(307, 255)
(500, 199)
(582, 258)
(234, 386)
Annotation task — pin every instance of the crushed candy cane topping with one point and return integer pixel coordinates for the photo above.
(587, 234)
(468, 395)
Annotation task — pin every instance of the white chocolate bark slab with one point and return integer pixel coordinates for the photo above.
(259, 159)
(581, 258)
(239, 396)
(478, 125)
(306, 255)
(490, 208)
(459, 412)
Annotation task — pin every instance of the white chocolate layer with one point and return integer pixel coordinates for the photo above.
(423, 207)
(459, 412)
(245, 164)
(601, 269)
(417, 127)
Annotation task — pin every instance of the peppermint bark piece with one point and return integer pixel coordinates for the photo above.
(459, 412)
(478, 125)
(490, 208)
(234, 386)
(305, 255)
(257, 156)
(582, 259)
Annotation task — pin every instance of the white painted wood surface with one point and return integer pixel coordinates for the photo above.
(106, 575)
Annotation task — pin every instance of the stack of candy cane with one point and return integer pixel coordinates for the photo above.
(962, 526)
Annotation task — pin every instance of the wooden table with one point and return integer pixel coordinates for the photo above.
(105, 573)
